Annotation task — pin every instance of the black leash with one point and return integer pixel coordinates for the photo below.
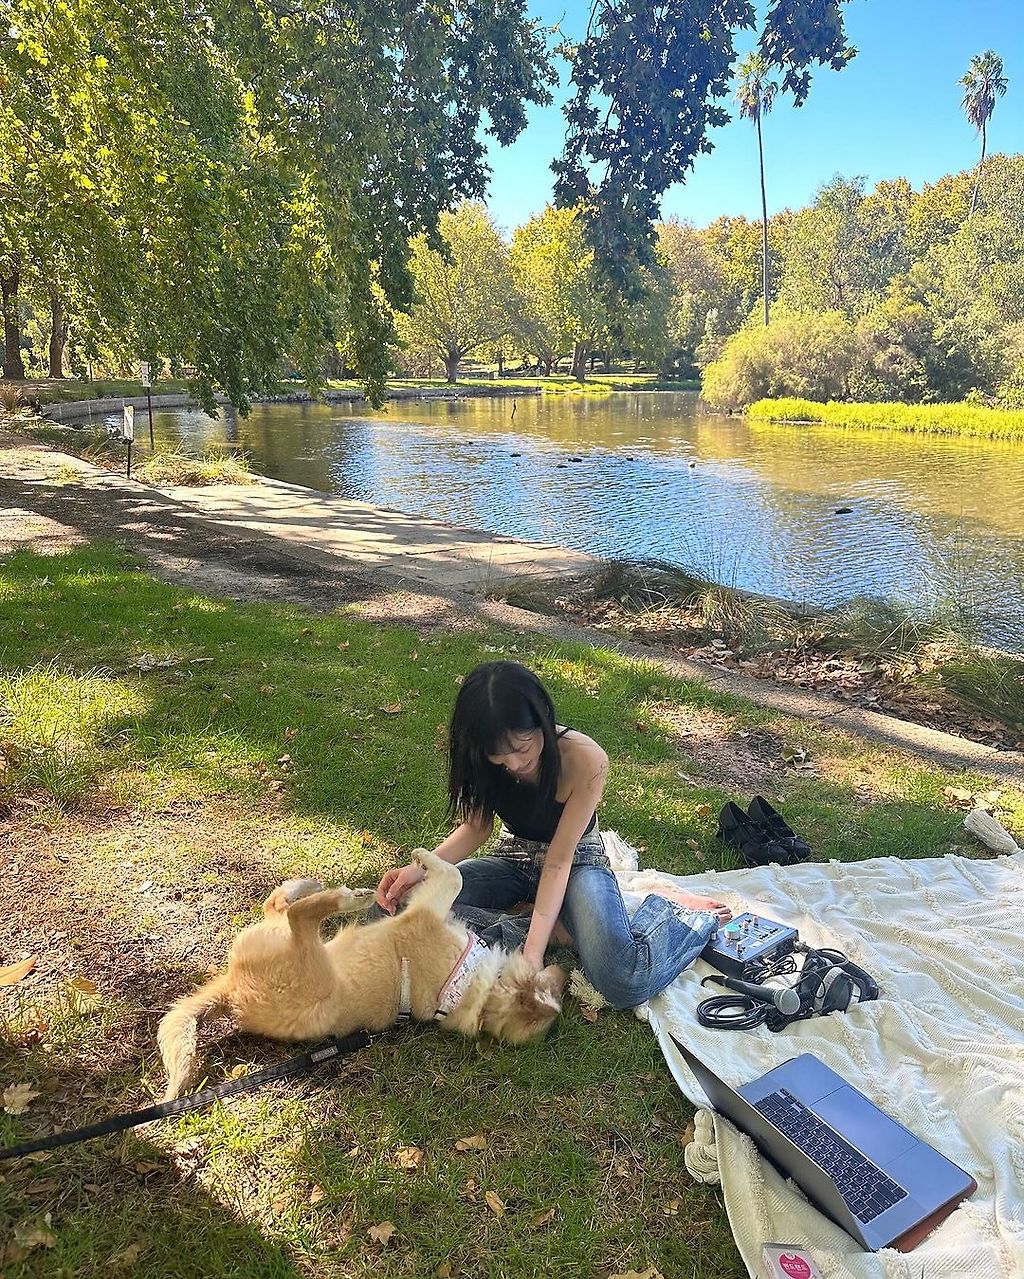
(300, 1064)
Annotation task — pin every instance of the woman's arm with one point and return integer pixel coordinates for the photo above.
(586, 770)
(466, 839)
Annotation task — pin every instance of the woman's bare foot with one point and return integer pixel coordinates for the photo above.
(692, 901)
(560, 935)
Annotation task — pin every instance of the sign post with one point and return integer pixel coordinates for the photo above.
(128, 434)
(147, 382)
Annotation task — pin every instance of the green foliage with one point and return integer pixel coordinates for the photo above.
(971, 420)
(648, 78)
(219, 187)
(561, 298)
(463, 289)
(991, 684)
(186, 469)
(798, 353)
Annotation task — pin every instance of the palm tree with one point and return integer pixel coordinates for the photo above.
(755, 94)
(983, 83)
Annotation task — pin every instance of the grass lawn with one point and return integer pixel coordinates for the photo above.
(164, 760)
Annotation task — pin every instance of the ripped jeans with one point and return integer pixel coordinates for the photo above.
(627, 960)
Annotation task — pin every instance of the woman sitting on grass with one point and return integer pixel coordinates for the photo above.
(509, 759)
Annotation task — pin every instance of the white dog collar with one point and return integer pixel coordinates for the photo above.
(461, 976)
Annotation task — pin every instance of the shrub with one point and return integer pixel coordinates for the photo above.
(798, 353)
(12, 397)
(991, 684)
(182, 468)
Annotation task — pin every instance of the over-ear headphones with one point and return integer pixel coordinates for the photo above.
(829, 982)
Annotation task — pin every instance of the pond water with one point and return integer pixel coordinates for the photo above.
(655, 475)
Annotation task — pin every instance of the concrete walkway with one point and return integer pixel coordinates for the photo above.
(457, 564)
(422, 552)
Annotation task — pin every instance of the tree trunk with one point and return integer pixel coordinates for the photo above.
(10, 279)
(58, 333)
(578, 369)
(977, 176)
(501, 364)
(451, 365)
(764, 222)
(547, 366)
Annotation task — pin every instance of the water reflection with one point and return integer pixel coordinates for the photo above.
(658, 476)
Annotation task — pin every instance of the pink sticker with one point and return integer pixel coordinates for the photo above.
(794, 1266)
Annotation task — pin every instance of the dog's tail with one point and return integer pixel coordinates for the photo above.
(178, 1033)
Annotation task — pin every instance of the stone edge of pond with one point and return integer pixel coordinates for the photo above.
(74, 410)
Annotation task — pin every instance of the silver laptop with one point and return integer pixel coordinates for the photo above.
(869, 1174)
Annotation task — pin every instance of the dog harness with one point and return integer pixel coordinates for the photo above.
(456, 985)
(461, 975)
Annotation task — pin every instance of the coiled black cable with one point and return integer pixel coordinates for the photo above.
(737, 1011)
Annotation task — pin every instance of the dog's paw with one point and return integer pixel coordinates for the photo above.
(277, 903)
(293, 889)
(360, 897)
(423, 858)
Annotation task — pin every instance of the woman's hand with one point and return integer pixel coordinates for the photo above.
(395, 883)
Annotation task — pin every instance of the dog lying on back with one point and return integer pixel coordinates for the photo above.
(284, 981)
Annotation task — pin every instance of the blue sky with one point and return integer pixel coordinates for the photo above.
(894, 111)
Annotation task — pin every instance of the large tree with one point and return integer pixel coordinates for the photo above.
(562, 309)
(755, 95)
(983, 83)
(461, 302)
(226, 183)
(648, 77)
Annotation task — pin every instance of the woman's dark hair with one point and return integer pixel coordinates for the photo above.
(496, 701)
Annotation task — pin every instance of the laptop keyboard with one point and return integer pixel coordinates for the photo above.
(864, 1186)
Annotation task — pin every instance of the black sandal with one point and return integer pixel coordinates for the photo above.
(776, 828)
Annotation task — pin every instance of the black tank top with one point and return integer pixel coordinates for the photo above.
(524, 811)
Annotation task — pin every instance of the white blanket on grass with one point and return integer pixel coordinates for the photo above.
(942, 1050)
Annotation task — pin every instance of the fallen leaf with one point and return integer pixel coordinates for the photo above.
(14, 972)
(409, 1157)
(588, 1013)
(382, 1233)
(703, 810)
(393, 708)
(17, 1098)
(44, 1186)
(444, 1271)
(542, 1219)
(128, 1257)
(477, 1142)
(637, 1274)
(36, 1236)
(958, 794)
(494, 1203)
(317, 1195)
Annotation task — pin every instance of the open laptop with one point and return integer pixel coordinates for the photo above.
(883, 1185)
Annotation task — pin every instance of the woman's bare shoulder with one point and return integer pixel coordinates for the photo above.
(583, 759)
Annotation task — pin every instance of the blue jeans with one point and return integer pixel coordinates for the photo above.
(627, 960)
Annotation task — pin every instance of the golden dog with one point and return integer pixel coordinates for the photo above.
(284, 981)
